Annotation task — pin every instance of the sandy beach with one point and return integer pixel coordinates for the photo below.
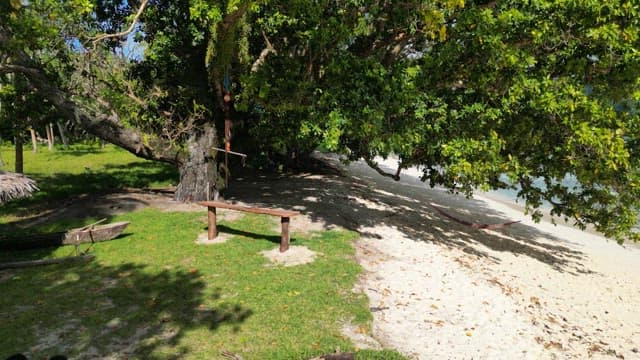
(442, 290)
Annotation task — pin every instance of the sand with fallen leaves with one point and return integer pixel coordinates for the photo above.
(527, 291)
(442, 290)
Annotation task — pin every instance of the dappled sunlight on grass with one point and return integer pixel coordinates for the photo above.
(64, 174)
(89, 170)
(154, 293)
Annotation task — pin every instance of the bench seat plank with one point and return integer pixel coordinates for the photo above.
(285, 215)
(274, 212)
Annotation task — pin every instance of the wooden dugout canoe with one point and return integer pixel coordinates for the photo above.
(87, 234)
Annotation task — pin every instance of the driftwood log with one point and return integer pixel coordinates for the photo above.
(88, 234)
(32, 263)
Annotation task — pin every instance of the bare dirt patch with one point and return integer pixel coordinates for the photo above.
(296, 255)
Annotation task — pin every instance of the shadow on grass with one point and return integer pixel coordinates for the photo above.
(59, 191)
(66, 201)
(77, 151)
(248, 234)
(368, 200)
(40, 245)
(141, 174)
(95, 311)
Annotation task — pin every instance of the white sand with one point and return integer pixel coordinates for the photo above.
(441, 290)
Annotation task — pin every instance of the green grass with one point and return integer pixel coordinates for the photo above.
(155, 294)
(81, 169)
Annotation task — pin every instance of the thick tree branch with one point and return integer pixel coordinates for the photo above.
(263, 54)
(13, 69)
(394, 48)
(374, 165)
(101, 37)
(106, 126)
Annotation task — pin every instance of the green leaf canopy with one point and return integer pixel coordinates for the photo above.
(479, 94)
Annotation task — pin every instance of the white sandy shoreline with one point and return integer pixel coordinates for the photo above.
(442, 290)
(529, 291)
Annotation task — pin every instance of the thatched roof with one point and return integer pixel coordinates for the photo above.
(14, 186)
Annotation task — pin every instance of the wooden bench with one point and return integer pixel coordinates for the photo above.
(285, 216)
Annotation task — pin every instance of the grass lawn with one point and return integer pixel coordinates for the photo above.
(82, 169)
(155, 294)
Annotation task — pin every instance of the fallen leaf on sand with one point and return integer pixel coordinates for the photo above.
(535, 301)
(553, 344)
(594, 348)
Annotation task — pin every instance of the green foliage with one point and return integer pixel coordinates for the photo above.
(470, 91)
(529, 90)
(21, 107)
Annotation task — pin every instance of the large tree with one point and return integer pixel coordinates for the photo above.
(481, 94)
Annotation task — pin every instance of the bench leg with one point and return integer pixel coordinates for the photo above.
(284, 241)
(213, 231)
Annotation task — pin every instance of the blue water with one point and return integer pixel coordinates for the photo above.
(512, 194)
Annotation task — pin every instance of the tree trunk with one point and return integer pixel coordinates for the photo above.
(19, 158)
(62, 135)
(34, 140)
(1, 160)
(198, 172)
(50, 138)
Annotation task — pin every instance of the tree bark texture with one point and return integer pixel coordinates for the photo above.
(34, 140)
(19, 157)
(50, 137)
(62, 135)
(198, 172)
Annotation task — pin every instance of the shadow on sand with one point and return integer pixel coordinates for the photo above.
(364, 199)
